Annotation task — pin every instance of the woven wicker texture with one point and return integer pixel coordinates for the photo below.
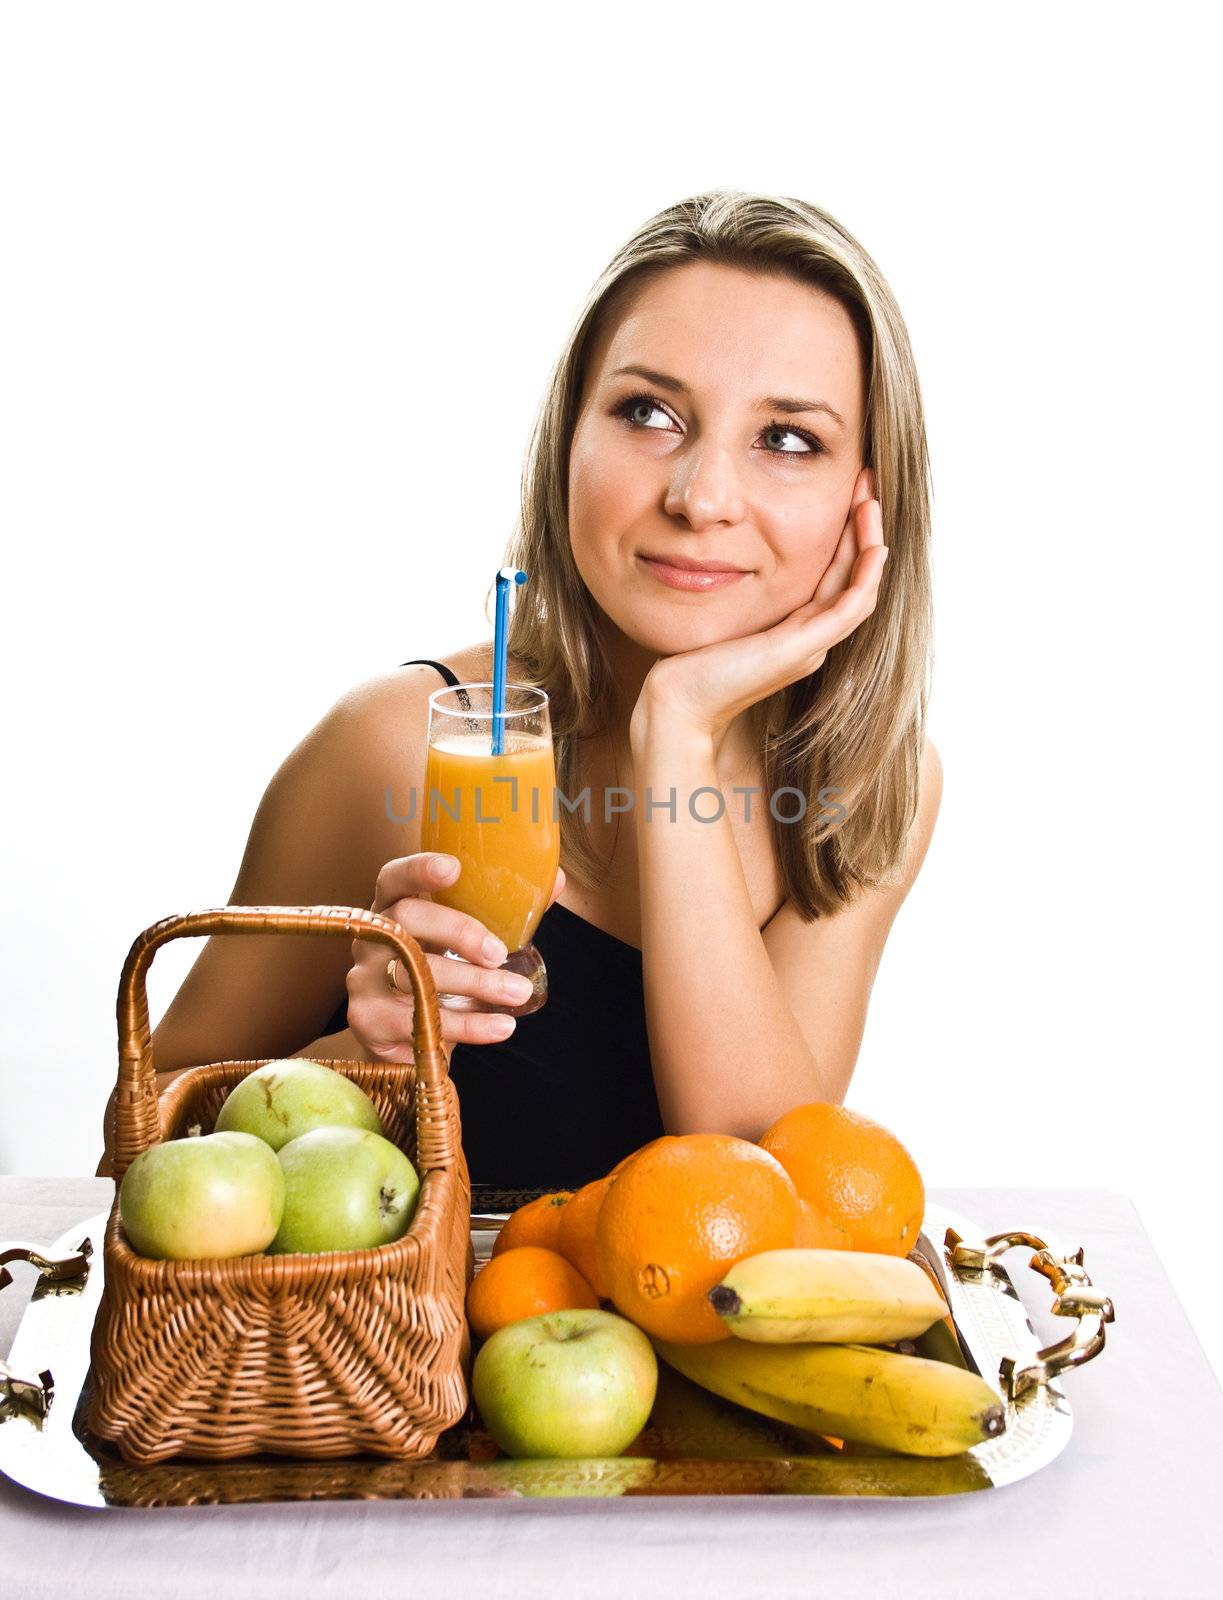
(304, 1355)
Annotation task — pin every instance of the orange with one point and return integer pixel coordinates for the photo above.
(524, 1282)
(677, 1217)
(815, 1232)
(624, 1160)
(575, 1234)
(534, 1223)
(854, 1172)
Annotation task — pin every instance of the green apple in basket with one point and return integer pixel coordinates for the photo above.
(345, 1189)
(188, 1199)
(284, 1099)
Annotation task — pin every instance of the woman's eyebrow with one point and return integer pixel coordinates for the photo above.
(786, 403)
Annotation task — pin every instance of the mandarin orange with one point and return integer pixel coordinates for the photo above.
(524, 1282)
(677, 1217)
(854, 1172)
(534, 1223)
(575, 1234)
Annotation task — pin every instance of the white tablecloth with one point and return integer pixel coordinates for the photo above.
(1130, 1507)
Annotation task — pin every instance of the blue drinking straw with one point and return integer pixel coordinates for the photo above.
(505, 577)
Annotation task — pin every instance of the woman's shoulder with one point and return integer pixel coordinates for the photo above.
(386, 693)
(377, 709)
(368, 751)
(474, 664)
(469, 664)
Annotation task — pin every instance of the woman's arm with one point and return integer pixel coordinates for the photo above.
(341, 1046)
(743, 1026)
(738, 1021)
(345, 1046)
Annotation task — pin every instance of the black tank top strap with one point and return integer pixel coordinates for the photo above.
(423, 661)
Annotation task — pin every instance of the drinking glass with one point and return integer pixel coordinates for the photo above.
(495, 813)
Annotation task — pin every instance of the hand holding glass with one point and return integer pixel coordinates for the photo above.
(495, 814)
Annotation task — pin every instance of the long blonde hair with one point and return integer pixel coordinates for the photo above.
(857, 726)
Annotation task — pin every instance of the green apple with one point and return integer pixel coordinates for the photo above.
(284, 1099)
(345, 1189)
(567, 1383)
(190, 1199)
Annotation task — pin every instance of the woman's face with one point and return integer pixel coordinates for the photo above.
(738, 442)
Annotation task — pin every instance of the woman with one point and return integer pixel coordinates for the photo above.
(738, 391)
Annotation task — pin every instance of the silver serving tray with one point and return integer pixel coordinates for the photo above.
(700, 1445)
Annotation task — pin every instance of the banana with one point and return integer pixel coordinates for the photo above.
(851, 1391)
(693, 1422)
(832, 1296)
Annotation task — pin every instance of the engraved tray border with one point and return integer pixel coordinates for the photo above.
(48, 1458)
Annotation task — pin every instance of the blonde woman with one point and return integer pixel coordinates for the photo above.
(739, 392)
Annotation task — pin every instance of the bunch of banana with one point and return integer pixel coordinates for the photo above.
(808, 1325)
(835, 1296)
(851, 1391)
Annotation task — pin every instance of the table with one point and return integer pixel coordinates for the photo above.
(1128, 1509)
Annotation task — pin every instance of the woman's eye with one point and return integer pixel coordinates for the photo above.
(639, 411)
(807, 445)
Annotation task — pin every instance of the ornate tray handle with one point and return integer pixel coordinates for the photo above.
(57, 1275)
(1074, 1296)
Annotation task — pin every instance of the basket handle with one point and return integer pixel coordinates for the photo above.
(137, 1124)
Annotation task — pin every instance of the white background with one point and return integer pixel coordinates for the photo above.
(280, 288)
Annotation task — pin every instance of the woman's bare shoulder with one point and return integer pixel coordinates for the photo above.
(474, 663)
(386, 703)
(388, 690)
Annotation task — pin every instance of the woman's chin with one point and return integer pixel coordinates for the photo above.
(672, 636)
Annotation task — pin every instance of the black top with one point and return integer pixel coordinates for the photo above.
(572, 1089)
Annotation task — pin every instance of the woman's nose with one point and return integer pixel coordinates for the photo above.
(705, 488)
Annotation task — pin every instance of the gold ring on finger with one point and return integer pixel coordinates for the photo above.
(390, 976)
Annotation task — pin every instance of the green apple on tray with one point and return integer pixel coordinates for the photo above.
(565, 1384)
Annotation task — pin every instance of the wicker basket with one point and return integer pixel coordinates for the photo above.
(303, 1355)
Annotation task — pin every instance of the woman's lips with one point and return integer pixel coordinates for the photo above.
(681, 578)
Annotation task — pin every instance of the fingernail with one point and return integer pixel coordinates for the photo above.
(494, 950)
(442, 866)
(515, 987)
(502, 1027)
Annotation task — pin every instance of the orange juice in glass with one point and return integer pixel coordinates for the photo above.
(495, 813)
